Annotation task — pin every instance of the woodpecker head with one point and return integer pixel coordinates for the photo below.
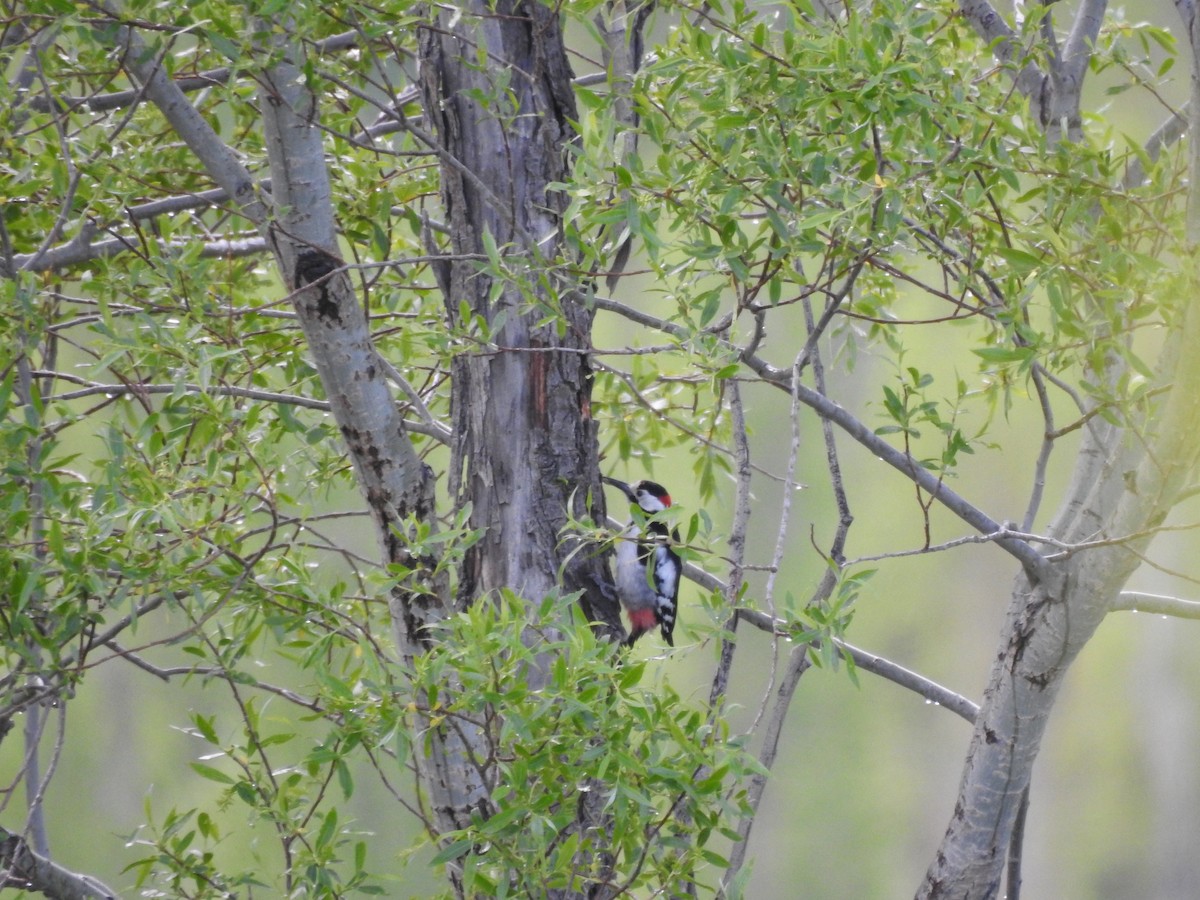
(651, 496)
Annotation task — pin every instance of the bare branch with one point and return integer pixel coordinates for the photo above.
(1030, 559)
(169, 672)
(781, 534)
(737, 548)
(82, 248)
(185, 83)
(832, 462)
(221, 163)
(1078, 49)
(1043, 460)
(429, 426)
(1167, 134)
(878, 665)
(990, 26)
(798, 662)
(22, 868)
(1156, 604)
(864, 659)
(432, 426)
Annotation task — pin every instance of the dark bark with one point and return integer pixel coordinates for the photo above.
(525, 445)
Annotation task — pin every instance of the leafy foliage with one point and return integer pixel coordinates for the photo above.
(174, 492)
(587, 725)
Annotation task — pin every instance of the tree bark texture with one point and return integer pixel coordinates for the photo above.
(395, 483)
(497, 91)
(498, 95)
(1126, 480)
(22, 869)
(296, 217)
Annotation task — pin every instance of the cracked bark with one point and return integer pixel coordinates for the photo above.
(525, 444)
(525, 448)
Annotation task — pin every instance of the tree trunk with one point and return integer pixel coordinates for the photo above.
(525, 444)
(1126, 480)
(525, 448)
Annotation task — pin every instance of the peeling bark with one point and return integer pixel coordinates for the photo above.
(525, 445)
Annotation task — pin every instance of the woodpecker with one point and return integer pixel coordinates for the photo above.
(650, 597)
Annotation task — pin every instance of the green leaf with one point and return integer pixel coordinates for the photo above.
(211, 774)
(345, 778)
(204, 724)
(329, 825)
(454, 850)
(1020, 261)
(1004, 354)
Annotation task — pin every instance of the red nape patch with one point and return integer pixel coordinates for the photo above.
(666, 499)
(641, 620)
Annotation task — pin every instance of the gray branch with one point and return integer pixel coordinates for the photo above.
(429, 426)
(878, 665)
(1166, 135)
(864, 659)
(1078, 50)
(186, 83)
(1032, 561)
(82, 248)
(1156, 604)
(990, 26)
(219, 160)
(24, 869)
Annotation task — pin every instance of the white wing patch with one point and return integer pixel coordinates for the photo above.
(666, 576)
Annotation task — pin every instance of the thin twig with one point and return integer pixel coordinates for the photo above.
(878, 665)
(737, 548)
(431, 427)
(798, 663)
(1043, 460)
(1031, 560)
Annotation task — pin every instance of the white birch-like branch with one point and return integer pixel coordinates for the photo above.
(219, 160)
(82, 248)
(990, 26)
(1084, 30)
(1156, 604)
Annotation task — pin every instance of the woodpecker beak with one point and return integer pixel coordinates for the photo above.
(622, 486)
